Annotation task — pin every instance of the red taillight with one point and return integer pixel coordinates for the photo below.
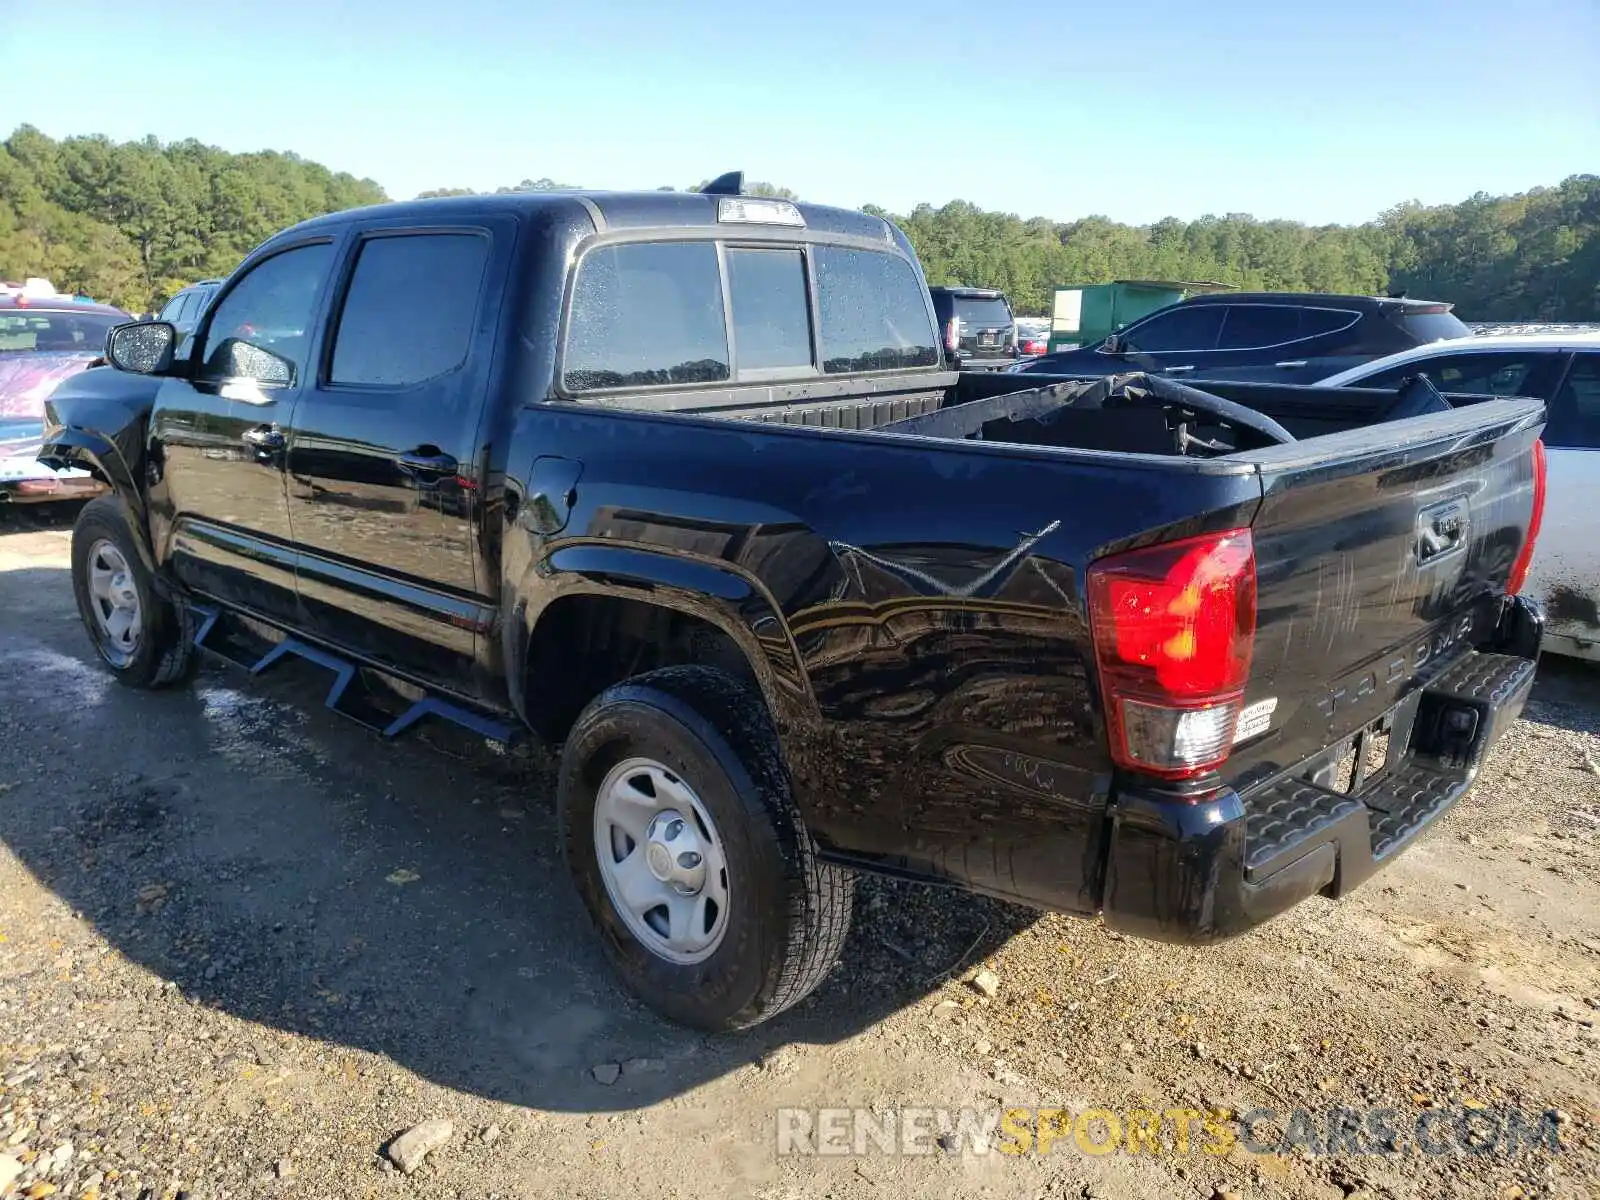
(1173, 630)
(1519, 569)
(952, 334)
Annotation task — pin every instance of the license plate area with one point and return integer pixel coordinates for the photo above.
(1369, 754)
(987, 339)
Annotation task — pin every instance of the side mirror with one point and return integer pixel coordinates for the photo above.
(236, 359)
(143, 347)
(1114, 345)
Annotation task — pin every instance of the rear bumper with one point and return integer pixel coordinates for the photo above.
(1200, 872)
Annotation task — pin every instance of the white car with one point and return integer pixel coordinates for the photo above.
(1564, 371)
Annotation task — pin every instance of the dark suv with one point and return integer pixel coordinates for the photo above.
(980, 334)
(184, 310)
(1273, 337)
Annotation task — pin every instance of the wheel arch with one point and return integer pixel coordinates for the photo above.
(597, 614)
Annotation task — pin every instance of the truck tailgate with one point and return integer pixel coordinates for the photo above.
(1382, 556)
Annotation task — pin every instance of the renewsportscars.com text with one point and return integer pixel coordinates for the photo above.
(1465, 1129)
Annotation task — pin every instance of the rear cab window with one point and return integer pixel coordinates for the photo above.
(872, 312)
(771, 315)
(656, 315)
(646, 314)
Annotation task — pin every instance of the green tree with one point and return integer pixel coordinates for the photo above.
(131, 222)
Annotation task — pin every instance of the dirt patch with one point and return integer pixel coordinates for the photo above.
(1568, 604)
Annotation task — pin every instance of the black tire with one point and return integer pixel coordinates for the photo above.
(164, 653)
(788, 912)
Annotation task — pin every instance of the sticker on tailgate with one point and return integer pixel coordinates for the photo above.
(1254, 719)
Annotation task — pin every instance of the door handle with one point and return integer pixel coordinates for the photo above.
(1291, 364)
(1179, 370)
(264, 437)
(426, 460)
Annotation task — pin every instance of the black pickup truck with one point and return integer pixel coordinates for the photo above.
(681, 483)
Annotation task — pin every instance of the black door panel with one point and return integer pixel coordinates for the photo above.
(221, 513)
(383, 485)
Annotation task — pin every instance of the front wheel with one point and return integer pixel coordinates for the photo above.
(688, 850)
(143, 637)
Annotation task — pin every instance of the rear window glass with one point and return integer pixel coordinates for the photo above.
(61, 332)
(771, 321)
(1427, 326)
(410, 310)
(646, 314)
(983, 314)
(873, 312)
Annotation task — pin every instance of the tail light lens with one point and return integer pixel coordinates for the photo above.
(1519, 569)
(1173, 627)
(952, 334)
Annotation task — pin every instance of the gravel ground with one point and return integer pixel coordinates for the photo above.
(243, 946)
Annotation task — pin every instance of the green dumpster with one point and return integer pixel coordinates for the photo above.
(1088, 313)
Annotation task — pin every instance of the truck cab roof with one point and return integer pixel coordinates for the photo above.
(630, 210)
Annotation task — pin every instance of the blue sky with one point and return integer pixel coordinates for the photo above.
(1135, 109)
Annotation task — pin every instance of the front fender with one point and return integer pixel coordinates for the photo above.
(84, 449)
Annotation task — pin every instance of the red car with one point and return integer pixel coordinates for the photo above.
(43, 340)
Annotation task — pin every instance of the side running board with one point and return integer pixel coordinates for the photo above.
(347, 696)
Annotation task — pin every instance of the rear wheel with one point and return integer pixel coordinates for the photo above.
(688, 850)
(144, 638)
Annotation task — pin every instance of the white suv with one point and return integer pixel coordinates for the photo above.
(1564, 371)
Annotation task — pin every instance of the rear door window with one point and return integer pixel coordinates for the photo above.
(410, 310)
(1575, 411)
(873, 312)
(771, 312)
(1179, 328)
(646, 314)
(1259, 326)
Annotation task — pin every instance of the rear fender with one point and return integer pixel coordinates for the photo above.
(713, 592)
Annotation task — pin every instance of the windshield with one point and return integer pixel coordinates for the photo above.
(61, 332)
(1433, 326)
